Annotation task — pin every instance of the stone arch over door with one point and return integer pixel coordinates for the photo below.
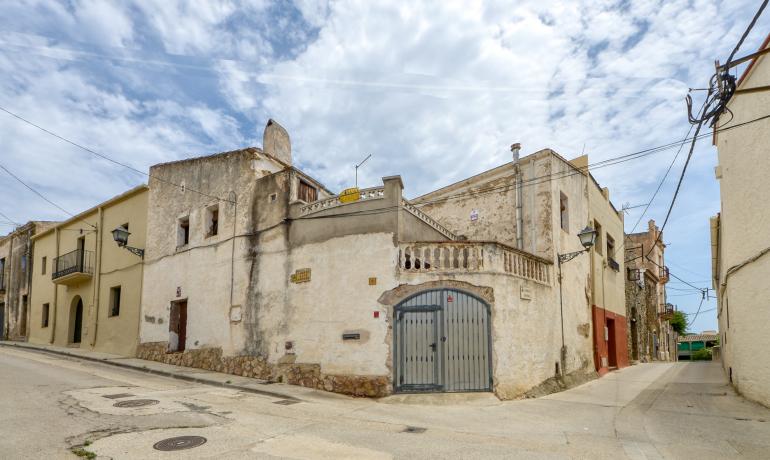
(442, 342)
(75, 332)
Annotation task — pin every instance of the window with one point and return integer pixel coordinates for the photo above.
(610, 247)
(46, 309)
(43, 263)
(598, 242)
(183, 232)
(564, 212)
(212, 221)
(114, 301)
(307, 192)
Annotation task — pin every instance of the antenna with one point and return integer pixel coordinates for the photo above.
(359, 165)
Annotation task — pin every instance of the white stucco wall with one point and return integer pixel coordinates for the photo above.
(744, 311)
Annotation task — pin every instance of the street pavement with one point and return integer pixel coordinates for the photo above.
(50, 404)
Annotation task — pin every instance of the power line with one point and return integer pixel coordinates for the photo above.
(9, 219)
(35, 191)
(746, 33)
(64, 139)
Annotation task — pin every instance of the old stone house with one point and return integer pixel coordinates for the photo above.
(85, 288)
(739, 243)
(650, 337)
(254, 268)
(16, 260)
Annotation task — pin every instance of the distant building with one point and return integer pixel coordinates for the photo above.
(85, 288)
(16, 260)
(651, 337)
(739, 233)
(688, 344)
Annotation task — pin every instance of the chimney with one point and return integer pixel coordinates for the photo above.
(276, 142)
(515, 148)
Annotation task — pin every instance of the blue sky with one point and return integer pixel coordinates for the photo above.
(436, 91)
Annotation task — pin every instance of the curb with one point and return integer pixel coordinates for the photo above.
(168, 374)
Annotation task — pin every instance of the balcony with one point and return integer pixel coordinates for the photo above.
(73, 268)
(613, 264)
(664, 274)
(452, 257)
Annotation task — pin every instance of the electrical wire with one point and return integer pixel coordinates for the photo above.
(746, 33)
(8, 219)
(35, 191)
(64, 139)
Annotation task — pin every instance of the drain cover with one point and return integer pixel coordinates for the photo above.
(117, 396)
(286, 402)
(179, 443)
(136, 403)
(414, 429)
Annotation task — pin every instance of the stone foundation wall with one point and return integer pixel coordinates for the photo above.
(306, 375)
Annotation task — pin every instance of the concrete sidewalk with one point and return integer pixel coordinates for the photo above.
(189, 374)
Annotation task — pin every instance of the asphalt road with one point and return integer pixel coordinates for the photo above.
(50, 404)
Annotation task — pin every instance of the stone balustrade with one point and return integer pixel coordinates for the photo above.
(469, 257)
(427, 219)
(367, 194)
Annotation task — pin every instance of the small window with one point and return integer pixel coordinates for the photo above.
(183, 232)
(115, 301)
(598, 242)
(43, 264)
(46, 309)
(307, 192)
(610, 247)
(564, 210)
(212, 221)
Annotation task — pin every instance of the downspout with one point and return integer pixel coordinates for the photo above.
(30, 267)
(55, 288)
(9, 294)
(515, 148)
(97, 275)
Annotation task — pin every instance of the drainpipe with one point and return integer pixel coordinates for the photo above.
(8, 294)
(515, 148)
(97, 275)
(55, 288)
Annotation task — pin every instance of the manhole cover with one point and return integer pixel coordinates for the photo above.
(179, 443)
(117, 396)
(286, 402)
(414, 429)
(136, 403)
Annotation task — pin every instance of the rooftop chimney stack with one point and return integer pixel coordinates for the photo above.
(276, 142)
(515, 148)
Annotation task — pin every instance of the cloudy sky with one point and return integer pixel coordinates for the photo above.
(435, 91)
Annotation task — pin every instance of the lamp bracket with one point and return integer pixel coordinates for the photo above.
(570, 255)
(137, 251)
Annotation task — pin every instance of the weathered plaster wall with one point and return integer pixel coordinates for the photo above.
(16, 250)
(743, 310)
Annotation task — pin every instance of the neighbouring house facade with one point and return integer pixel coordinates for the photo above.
(651, 337)
(16, 261)
(739, 234)
(690, 343)
(85, 288)
(607, 280)
(254, 268)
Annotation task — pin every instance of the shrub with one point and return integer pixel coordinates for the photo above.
(704, 354)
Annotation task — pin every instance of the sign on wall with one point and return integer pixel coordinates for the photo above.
(474, 215)
(301, 275)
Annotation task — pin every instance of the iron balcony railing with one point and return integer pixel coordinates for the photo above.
(613, 263)
(2, 281)
(77, 261)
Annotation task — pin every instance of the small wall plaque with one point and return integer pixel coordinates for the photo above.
(301, 275)
(526, 293)
(372, 281)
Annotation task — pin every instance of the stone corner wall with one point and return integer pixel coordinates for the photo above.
(303, 374)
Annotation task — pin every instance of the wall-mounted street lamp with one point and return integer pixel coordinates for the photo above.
(120, 235)
(587, 238)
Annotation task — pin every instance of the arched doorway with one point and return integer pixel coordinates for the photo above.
(442, 343)
(76, 320)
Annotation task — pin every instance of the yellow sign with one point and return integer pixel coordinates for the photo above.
(349, 195)
(301, 276)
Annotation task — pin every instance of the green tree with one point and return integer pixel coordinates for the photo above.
(679, 322)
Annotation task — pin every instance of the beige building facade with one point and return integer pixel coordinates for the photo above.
(85, 288)
(739, 235)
